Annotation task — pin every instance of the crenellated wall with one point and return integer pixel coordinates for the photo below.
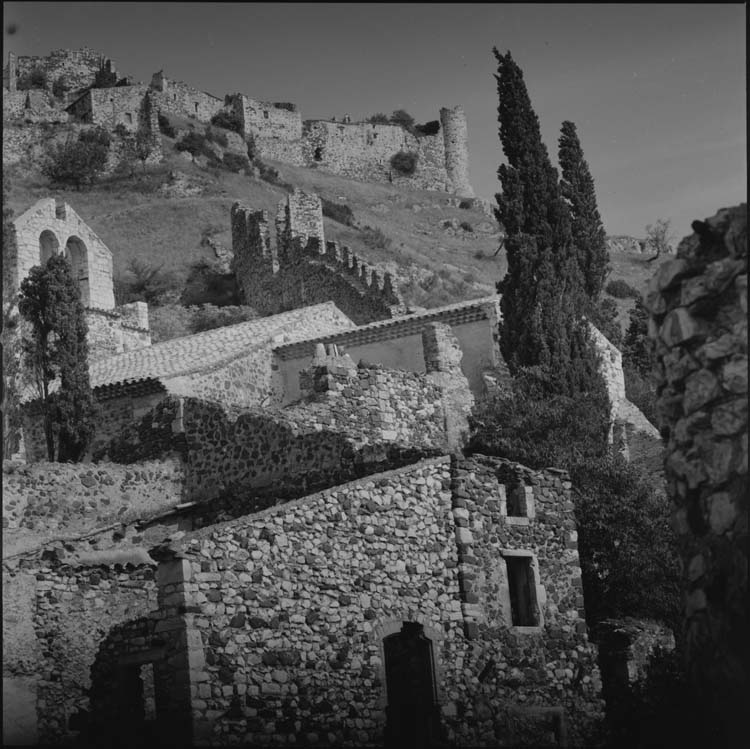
(698, 306)
(301, 268)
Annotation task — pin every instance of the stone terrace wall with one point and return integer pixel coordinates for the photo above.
(78, 67)
(42, 501)
(176, 97)
(363, 151)
(698, 304)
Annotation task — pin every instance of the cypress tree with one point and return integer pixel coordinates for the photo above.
(542, 293)
(577, 187)
(57, 348)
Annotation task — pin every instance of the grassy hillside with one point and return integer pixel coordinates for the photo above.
(435, 260)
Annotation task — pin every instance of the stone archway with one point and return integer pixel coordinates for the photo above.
(77, 255)
(49, 246)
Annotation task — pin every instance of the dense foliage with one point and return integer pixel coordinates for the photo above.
(403, 118)
(78, 162)
(338, 212)
(143, 282)
(404, 162)
(577, 186)
(378, 119)
(621, 289)
(227, 120)
(166, 127)
(56, 348)
(35, 78)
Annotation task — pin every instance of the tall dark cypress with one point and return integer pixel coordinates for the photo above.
(542, 292)
(577, 186)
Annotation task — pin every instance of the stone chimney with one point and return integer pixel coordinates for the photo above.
(328, 371)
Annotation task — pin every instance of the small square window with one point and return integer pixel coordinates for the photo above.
(128, 118)
(265, 114)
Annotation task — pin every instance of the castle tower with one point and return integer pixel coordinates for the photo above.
(12, 72)
(299, 219)
(456, 139)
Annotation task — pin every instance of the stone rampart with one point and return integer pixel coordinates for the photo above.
(698, 306)
(78, 68)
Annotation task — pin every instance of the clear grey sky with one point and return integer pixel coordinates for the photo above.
(658, 92)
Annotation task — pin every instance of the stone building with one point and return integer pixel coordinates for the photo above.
(176, 97)
(698, 305)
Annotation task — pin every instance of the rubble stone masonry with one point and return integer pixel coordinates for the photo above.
(698, 305)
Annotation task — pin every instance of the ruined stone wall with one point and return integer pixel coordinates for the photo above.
(110, 333)
(297, 273)
(78, 67)
(276, 131)
(74, 609)
(45, 500)
(48, 228)
(363, 151)
(14, 103)
(110, 107)
(698, 306)
(176, 97)
(353, 421)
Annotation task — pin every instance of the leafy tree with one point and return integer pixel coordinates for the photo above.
(378, 119)
(78, 162)
(35, 78)
(56, 348)
(136, 147)
(636, 347)
(227, 120)
(143, 282)
(659, 237)
(577, 186)
(403, 118)
(543, 299)
(60, 87)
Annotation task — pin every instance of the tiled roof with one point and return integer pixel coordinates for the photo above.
(396, 327)
(209, 349)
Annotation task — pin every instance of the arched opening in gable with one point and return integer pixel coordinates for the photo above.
(77, 255)
(49, 245)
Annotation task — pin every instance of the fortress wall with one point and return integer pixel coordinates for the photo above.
(363, 151)
(698, 306)
(277, 131)
(79, 67)
(176, 97)
(110, 107)
(456, 144)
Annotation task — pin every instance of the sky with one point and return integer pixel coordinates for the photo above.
(657, 92)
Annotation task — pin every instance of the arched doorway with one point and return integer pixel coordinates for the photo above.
(77, 255)
(412, 716)
(49, 246)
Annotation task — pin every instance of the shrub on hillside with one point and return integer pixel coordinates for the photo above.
(466, 226)
(235, 162)
(227, 120)
(165, 127)
(466, 204)
(216, 136)
(96, 135)
(193, 142)
(76, 162)
(143, 282)
(271, 175)
(404, 162)
(374, 238)
(252, 151)
(621, 289)
(338, 212)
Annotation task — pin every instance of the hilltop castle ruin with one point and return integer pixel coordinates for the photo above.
(90, 92)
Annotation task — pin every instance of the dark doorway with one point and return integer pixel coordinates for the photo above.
(412, 716)
(137, 706)
(318, 155)
(522, 591)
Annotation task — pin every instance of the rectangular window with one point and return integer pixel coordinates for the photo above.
(265, 114)
(196, 107)
(128, 118)
(522, 591)
(517, 501)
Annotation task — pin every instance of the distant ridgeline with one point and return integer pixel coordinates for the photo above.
(83, 86)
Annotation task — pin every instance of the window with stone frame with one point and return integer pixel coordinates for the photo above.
(518, 501)
(522, 591)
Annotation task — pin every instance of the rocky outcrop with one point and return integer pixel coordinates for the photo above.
(698, 305)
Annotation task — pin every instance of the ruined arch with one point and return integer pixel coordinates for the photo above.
(49, 245)
(77, 254)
